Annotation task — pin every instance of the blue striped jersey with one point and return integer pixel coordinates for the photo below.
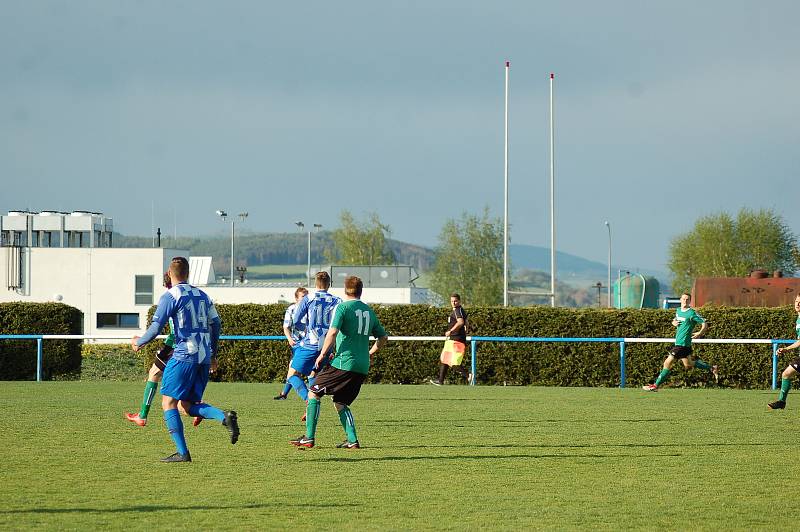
(197, 324)
(288, 322)
(318, 313)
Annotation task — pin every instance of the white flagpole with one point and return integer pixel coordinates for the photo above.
(505, 197)
(552, 202)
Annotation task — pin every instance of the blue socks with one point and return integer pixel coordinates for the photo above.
(206, 411)
(175, 427)
(286, 388)
(299, 386)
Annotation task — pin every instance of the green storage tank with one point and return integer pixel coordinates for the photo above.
(635, 290)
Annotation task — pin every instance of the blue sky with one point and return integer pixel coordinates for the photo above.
(297, 110)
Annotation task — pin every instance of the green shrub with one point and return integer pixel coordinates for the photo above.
(548, 364)
(60, 357)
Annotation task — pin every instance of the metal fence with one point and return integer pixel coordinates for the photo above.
(473, 340)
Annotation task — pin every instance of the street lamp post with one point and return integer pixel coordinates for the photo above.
(302, 225)
(224, 215)
(608, 226)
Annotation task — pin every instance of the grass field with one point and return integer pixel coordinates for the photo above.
(453, 457)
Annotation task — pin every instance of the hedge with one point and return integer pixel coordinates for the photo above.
(18, 357)
(547, 364)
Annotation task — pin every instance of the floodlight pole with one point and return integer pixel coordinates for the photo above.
(505, 194)
(552, 201)
(608, 226)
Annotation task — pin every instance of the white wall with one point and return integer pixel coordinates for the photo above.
(102, 280)
(94, 280)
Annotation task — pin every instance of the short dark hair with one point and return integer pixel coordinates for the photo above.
(687, 294)
(299, 290)
(353, 286)
(167, 280)
(179, 268)
(323, 279)
(455, 295)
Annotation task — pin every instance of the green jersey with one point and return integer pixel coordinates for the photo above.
(687, 319)
(170, 340)
(356, 321)
(797, 327)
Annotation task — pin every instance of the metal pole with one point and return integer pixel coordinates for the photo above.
(233, 250)
(608, 225)
(308, 268)
(474, 364)
(552, 201)
(622, 364)
(774, 364)
(505, 195)
(39, 360)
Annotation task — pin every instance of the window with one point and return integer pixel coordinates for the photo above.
(144, 290)
(117, 320)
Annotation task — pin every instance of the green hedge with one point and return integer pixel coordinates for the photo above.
(62, 358)
(548, 364)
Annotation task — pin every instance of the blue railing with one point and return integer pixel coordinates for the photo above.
(474, 340)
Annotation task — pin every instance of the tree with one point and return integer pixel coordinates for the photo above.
(469, 260)
(721, 246)
(360, 243)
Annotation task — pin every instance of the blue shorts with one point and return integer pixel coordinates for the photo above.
(304, 359)
(185, 380)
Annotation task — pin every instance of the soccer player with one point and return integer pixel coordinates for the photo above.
(456, 343)
(686, 318)
(197, 327)
(156, 371)
(293, 336)
(353, 323)
(313, 317)
(793, 367)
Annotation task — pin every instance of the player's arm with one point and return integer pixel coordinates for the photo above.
(380, 333)
(788, 347)
(166, 306)
(330, 338)
(702, 331)
(299, 312)
(458, 324)
(215, 327)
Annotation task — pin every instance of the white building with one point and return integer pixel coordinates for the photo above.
(115, 287)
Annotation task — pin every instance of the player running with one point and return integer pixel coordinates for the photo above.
(156, 371)
(197, 328)
(353, 323)
(293, 336)
(793, 367)
(312, 317)
(686, 318)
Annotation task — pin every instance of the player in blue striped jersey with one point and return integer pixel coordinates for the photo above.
(293, 336)
(197, 328)
(317, 313)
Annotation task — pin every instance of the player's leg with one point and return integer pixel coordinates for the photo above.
(442, 374)
(196, 407)
(345, 393)
(662, 377)
(153, 378)
(696, 362)
(303, 364)
(311, 418)
(174, 386)
(287, 386)
(786, 384)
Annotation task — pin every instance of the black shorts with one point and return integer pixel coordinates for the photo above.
(795, 363)
(342, 385)
(162, 357)
(680, 351)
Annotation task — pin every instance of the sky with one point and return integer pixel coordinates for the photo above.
(158, 113)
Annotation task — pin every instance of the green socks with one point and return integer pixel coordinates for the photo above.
(662, 377)
(312, 415)
(149, 393)
(349, 425)
(702, 365)
(786, 385)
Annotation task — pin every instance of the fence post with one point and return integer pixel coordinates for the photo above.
(38, 360)
(474, 346)
(622, 364)
(774, 364)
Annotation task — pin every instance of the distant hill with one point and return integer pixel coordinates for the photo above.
(255, 249)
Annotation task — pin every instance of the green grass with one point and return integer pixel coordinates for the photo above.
(453, 457)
